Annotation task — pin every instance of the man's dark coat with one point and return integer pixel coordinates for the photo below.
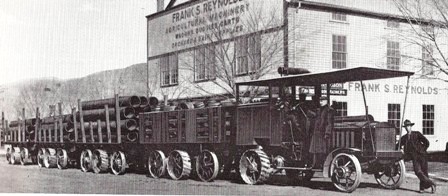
(415, 144)
(323, 126)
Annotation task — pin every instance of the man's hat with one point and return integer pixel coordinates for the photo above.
(323, 98)
(407, 123)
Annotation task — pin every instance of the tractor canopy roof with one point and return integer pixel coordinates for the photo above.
(330, 77)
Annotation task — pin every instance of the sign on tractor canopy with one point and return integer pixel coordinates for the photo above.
(309, 90)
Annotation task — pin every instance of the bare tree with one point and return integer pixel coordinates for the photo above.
(72, 90)
(227, 56)
(39, 93)
(428, 29)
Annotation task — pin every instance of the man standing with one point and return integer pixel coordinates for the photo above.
(323, 127)
(415, 145)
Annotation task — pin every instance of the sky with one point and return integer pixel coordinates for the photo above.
(70, 38)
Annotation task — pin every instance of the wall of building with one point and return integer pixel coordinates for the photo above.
(186, 28)
(311, 47)
(271, 57)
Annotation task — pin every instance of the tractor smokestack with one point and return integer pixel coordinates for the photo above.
(160, 5)
(292, 71)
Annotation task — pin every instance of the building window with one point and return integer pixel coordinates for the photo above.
(339, 51)
(393, 55)
(393, 24)
(204, 63)
(427, 62)
(339, 17)
(248, 54)
(428, 120)
(341, 108)
(428, 30)
(394, 114)
(169, 70)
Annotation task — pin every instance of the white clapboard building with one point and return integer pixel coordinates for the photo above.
(195, 47)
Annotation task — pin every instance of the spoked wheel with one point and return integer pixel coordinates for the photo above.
(118, 163)
(50, 159)
(156, 164)
(15, 155)
(254, 166)
(391, 176)
(345, 172)
(24, 156)
(8, 155)
(299, 176)
(207, 166)
(100, 161)
(62, 158)
(179, 165)
(86, 160)
(41, 157)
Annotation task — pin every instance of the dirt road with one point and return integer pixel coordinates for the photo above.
(31, 179)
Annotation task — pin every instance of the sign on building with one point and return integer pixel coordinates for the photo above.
(207, 21)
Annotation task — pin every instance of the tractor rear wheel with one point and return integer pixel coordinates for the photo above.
(345, 172)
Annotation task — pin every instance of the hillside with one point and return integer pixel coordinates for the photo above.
(43, 92)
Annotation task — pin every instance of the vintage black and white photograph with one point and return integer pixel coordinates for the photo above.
(224, 97)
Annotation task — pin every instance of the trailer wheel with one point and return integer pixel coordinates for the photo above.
(41, 157)
(15, 155)
(62, 158)
(254, 166)
(179, 165)
(24, 156)
(86, 160)
(100, 161)
(207, 166)
(391, 176)
(8, 155)
(50, 160)
(345, 172)
(118, 163)
(156, 164)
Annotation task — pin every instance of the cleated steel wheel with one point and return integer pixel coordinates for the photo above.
(118, 163)
(8, 155)
(179, 165)
(297, 176)
(207, 166)
(156, 164)
(100, 161)
(15, 155)
(391, 176)
(24, 156)
(50, 160)
(345, 172)
(40, 157)
(86, 160)
(254, 166)
(62, 158)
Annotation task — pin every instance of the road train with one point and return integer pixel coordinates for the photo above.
(216, 137)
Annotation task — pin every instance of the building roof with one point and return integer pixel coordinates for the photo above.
(330, 77)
